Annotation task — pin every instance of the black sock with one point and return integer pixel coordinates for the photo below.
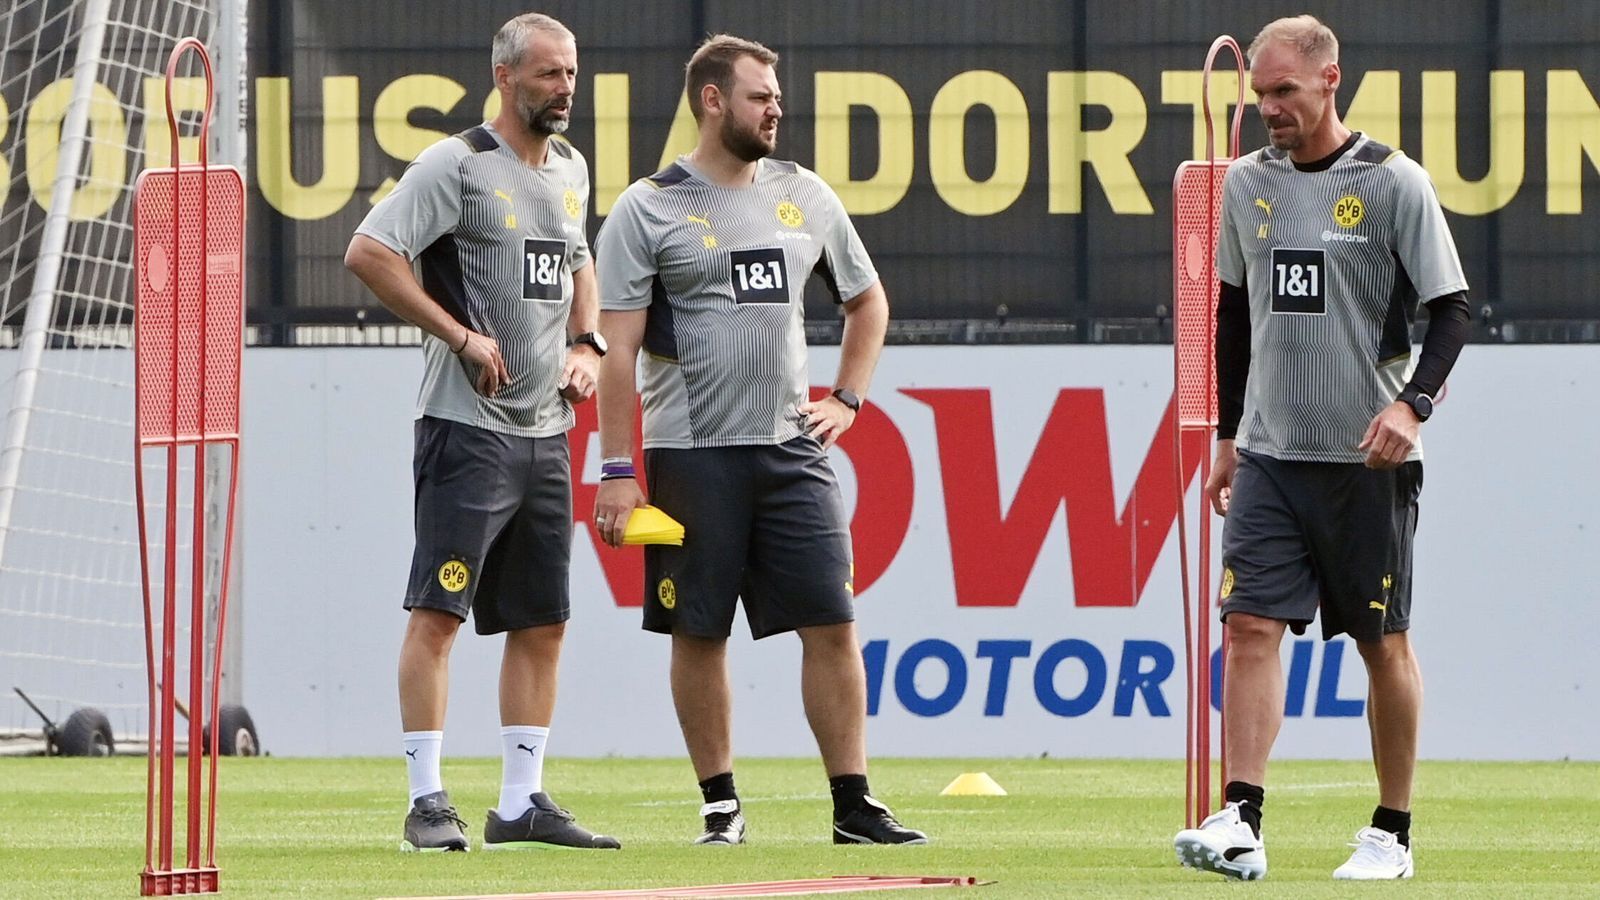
(1250, 797)
(718, 787)
(848, 791)
(1393, 821)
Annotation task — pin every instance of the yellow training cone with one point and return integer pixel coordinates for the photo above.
(973, 784)
(648, 525)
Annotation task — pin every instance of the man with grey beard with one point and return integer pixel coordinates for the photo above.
(493, 219)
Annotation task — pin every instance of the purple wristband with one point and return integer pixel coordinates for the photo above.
(612, 470)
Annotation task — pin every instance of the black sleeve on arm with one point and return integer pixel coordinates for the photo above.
(1233, 357)
(1449, 324)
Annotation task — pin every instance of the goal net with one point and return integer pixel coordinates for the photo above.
(82, 112)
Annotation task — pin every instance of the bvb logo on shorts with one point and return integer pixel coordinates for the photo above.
(667, 593)
(1348, 211)
(570, 201)
(1227, 583)
(790, 215)
(454, 575)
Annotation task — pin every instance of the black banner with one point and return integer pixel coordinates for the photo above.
(1003, 161)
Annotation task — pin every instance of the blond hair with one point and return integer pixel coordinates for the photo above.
(713, 63)
(1310, 38)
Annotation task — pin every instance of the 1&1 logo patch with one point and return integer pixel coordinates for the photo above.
(541, 269)
(760, 276)
(1299, 281)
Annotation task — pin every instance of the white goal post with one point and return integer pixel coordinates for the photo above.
(82, 112)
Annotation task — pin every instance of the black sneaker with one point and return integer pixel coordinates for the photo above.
(724, 824)
(432, 826)
(545, 826)
(872, 823)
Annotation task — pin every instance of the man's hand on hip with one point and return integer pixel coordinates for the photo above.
(827, 419)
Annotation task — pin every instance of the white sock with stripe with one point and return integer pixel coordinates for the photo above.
(522, 768)
(422, 762)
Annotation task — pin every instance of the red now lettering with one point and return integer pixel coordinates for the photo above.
(885, 488)
(992, 552)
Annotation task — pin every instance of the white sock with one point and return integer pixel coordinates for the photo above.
(522, 768)
(422, 762)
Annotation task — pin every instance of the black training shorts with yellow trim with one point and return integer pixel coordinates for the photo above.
(1304, 537)
(763, 522)
(493, 525)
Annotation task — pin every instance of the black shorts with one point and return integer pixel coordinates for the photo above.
(1341, 533)
(494, 526)
(765, 523)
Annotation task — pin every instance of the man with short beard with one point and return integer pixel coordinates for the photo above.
(1329, 241)
(494, 219)
(705, 266)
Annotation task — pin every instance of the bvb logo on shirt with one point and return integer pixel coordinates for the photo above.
(1227, 583)
(790, 215)
(570, 201)
(1348, 211)
(453, 576)
(667, 593)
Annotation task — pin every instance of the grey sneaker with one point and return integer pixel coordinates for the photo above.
(432, 826)
(724, 824)
(544, 827)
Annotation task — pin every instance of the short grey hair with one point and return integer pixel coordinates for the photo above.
(1310, 38)
(512, 38)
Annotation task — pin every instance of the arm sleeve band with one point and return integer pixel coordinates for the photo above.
(1449, 324)
(1233, 357)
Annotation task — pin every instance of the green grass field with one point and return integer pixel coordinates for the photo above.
(329, 828)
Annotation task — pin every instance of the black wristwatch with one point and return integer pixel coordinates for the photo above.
(848, 398)
(593, 339)
(1420, 403)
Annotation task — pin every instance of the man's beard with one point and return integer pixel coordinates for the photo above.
(746, 144)
(1292, 141)
(542, 119)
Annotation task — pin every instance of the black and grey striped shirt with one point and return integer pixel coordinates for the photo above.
(1336, 258)
(496, 242)
(722, 273)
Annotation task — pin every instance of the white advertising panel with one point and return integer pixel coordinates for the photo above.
(1016, 568)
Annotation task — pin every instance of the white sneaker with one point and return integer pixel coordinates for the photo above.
(1223, 844)
(724, 824)
(1379, 855)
